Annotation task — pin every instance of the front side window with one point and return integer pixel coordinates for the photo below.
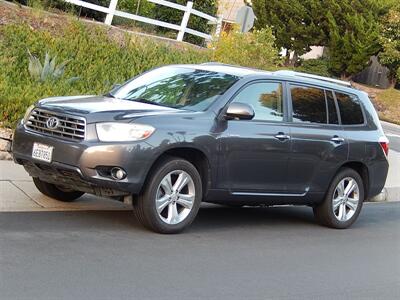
(177, 87)
(350, 109)
(265, 98)
(308, 104)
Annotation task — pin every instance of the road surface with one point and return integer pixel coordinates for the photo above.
(228, 253)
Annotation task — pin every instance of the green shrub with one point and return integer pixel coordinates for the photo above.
(146, 9)
(318, 66)
(253, 49)
(97, 59)
(143, 8)
(49, 70)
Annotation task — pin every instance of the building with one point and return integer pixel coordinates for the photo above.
(229, 8)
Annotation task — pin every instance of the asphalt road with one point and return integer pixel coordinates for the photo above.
(249, 253)
(393, 134)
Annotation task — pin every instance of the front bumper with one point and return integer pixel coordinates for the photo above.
(76, 164)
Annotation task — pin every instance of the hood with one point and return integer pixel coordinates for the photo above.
(102, 108)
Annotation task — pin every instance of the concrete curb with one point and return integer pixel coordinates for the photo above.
(388, 194)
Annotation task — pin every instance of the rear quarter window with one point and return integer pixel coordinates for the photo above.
(350, 109)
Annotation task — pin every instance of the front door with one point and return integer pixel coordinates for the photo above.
(254, 153)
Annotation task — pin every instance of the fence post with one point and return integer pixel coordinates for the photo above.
(218, 28)
(110, 15)
(185, 21)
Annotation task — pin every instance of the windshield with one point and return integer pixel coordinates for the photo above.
(176, 87)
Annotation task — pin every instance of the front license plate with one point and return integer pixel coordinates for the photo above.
(42, 152)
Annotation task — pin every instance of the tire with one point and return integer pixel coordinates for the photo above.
(56, 192)
(340, 217)
(159, 207)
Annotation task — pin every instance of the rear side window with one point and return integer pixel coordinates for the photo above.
(308, 104)
(350, 109)
(332, 112)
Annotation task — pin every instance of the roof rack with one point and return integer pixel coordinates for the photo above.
(311, 76)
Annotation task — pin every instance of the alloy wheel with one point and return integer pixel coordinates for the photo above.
(175, 197)
(346, 198)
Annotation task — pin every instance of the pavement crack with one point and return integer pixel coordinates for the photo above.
(26, 194)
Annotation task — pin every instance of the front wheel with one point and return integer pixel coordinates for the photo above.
(343, 201)
(171, 198)
(57, 192)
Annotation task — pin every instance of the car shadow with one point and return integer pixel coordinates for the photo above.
(215, 218)
(219, 217)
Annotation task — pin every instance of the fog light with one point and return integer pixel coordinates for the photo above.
(118, 173)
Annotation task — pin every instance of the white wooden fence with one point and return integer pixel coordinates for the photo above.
(188, 10)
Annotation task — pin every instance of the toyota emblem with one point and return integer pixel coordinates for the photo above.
(52, 123)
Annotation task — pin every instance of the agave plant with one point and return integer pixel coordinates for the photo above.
(49, 70)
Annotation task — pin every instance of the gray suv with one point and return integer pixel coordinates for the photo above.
(178, 135)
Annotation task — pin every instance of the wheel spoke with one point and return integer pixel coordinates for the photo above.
(162, 203)
(166, 184)
(352, 203)
(185, 200)
(340, 188)
(180, 183)
(172, 213)
(350, 187)
(336, 203)
(343, 209)
(341, 212)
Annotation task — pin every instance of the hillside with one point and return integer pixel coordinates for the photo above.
(386, 102)
(96, 56)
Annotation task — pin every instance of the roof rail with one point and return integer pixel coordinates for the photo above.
(311, 76)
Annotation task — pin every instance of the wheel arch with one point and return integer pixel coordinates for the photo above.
(194, 155)
(362, 170)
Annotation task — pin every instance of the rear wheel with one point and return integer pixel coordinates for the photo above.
(55, 191)
(343, 201)
(171, 198)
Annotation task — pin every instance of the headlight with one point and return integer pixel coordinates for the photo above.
(27, 113)
(123, 132)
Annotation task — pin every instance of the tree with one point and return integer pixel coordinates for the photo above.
(352, 44)
(349, 28)
(294, 23)
(390, 41)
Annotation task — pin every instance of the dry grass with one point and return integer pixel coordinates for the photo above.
(390, 102)
(386, 102)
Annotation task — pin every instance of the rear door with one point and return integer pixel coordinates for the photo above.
(318, 141)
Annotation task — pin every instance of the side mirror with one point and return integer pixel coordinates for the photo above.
(240, 111)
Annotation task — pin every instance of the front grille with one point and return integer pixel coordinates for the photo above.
(69, 127)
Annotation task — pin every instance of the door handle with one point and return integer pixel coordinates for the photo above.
(337, 140)
(282, 137)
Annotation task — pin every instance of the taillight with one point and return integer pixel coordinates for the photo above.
(384, 142)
